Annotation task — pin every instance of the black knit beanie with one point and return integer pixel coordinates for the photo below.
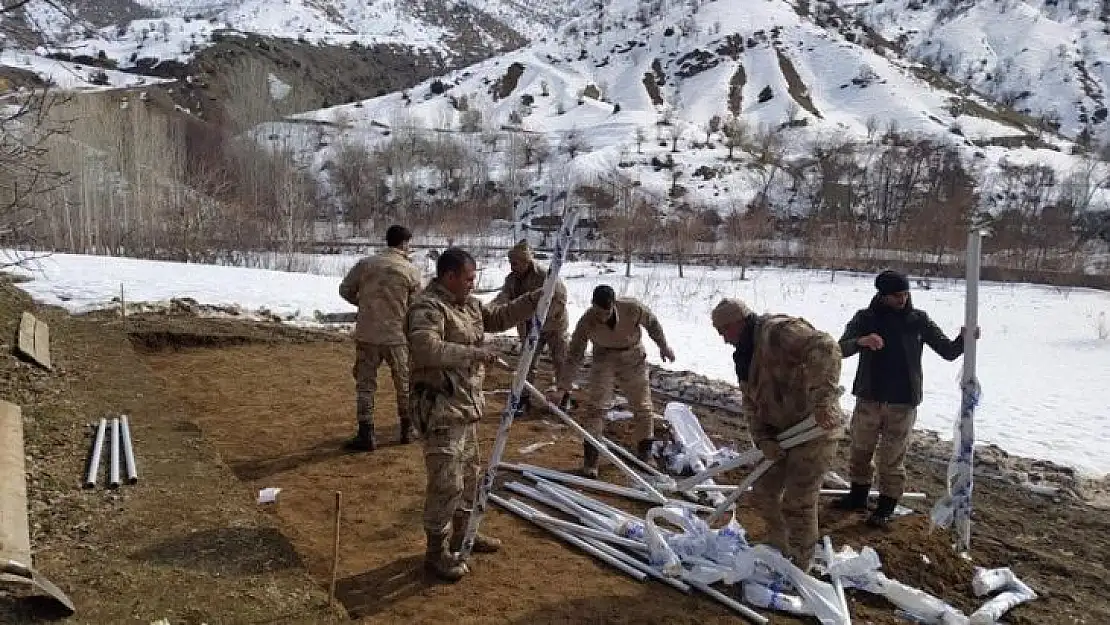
(890, 281)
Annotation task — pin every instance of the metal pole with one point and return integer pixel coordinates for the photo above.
(526, 513)
(113, 464)
(128, 452)
(485, 486)
(94, 456)
(600, 446)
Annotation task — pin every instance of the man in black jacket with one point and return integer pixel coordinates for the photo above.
(888, 335)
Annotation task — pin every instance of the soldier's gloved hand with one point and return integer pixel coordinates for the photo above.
(488, 355)
(827, 419)
(771, 450)
(667, 354)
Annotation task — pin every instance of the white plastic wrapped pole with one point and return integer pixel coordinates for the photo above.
(523, 511)
(128, 451)
(838, 586)
(94, 455)
(738, 607)
(114, 457)
(751, 456)
(955, 507)
(485, 485)
(600, 446)
(761, 468)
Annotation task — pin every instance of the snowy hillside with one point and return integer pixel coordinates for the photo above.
(177, 29)
(647, 89)
(1049, 58)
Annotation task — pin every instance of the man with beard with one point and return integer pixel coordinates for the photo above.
(788, 371)
(888, 335)
(446, 328)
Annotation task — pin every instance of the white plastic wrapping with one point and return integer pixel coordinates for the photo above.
(918, 603)
(692, 449)
(818, 596)
(992, 610)
(987, 581)
(771, 599)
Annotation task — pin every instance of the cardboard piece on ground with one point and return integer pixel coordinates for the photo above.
(15, 534)
(34, 339)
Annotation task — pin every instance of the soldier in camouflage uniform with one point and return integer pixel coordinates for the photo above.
(446, 329)
(788, 371)
(382, 286)
(613, 326)
(526, 275)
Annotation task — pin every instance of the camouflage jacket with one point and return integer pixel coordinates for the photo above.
(515, 286)
(383, 287)
(444, 337)
(794, 374)
(631, 316)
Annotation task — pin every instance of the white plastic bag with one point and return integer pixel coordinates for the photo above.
(818, 596)
(692, 448)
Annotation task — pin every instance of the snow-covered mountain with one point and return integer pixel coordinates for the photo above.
(800, 104)
(127, 30)
(1046, 58)
(729, 102)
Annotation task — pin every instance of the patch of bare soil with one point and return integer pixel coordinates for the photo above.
(278, 414)
(186, 543)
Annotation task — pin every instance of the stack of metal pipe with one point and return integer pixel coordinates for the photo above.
(117, 434)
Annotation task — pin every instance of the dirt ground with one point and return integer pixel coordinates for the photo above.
(222, 409)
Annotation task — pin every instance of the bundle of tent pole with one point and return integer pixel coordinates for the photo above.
(676, 546)
(117, 433)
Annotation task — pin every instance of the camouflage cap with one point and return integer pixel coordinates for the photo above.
(729, 310)
(520, 252)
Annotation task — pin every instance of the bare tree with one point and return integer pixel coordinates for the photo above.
(27, 176)
(684, 230)
(736, 134)
(712, 127)
(253, 98)
(626, 219)
(574, 143)
(358, 178)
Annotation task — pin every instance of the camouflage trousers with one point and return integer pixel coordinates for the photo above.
(786, 498)
(368, 358)
(628, 369)
(451, 461)
(886, 429)
(557, 343)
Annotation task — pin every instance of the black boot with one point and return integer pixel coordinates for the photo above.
(589, 460)
(408, 433)
(364, 440)
(856, 499)
(884, 512)
(643, 449)
(523, 406)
